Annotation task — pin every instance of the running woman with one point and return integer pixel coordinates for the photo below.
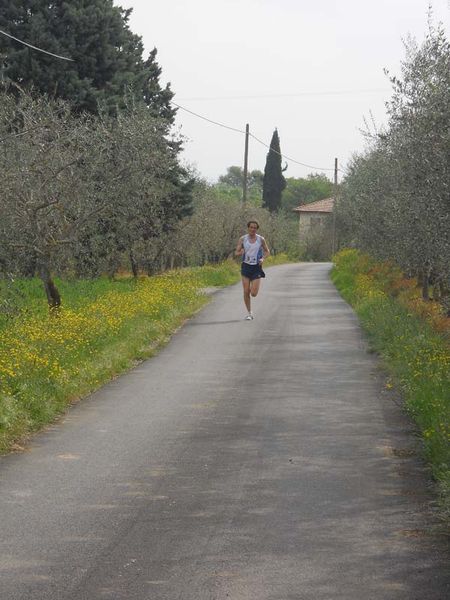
(253, 249)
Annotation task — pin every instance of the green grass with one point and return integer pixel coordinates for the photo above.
(417, 359)
(27, 296)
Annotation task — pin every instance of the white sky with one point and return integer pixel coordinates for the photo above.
(212, 51)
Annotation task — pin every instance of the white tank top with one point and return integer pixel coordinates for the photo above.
(252, 251)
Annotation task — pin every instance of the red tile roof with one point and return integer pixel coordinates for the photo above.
(322, 206)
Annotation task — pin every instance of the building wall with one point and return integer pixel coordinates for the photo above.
(310, 220)
(315, 236)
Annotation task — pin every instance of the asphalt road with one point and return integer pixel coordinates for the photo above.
(257, 460)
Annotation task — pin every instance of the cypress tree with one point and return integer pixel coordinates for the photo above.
(108, 57)
(274, 181)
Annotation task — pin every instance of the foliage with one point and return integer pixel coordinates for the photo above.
(212, 232)
(305, 190)
(10, 299)
(85, 195)
(81, 192)
(273, 182)
(389, 279)
(153, 193)
(231, 185)
(107, 56)
(279, 259)
(95, 190)
(413, 342)
(235, 177)
(395, 198)
(316, 243)
(45, 155)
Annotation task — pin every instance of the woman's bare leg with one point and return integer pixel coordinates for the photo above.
(246, 287)
(254, 287)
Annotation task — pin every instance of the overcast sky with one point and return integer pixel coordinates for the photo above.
(311, 68)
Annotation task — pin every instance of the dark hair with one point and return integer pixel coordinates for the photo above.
(255, 222)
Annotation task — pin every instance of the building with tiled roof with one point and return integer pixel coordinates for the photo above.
(320, 206)
(315, 225)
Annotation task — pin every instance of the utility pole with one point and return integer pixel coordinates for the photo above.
(335, 204)
(244, 183)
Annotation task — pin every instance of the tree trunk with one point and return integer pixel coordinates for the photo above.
(420, 278)
(134, 266)
(437, 296)
(53, 295)
(426, 283)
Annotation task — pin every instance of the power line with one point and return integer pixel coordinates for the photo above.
(253, 136)
(35, 47)
(223, 98)
(288, 158)
(209, 120)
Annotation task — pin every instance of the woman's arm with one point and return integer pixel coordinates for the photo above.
(266, 251)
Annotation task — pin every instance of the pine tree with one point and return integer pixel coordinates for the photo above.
(108, 57)
(274, 181)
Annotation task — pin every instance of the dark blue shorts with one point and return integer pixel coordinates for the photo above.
(252, 271)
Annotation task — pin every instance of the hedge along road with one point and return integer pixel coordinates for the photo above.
(248, 460)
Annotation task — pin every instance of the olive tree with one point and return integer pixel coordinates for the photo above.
(147, 191)
(84, 193)
(395, 200)
(52, 167)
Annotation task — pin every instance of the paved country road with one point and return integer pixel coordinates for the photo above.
(254, 460)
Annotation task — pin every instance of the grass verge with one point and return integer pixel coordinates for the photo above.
(412, 339)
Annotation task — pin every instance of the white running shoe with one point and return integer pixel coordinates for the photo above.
(249, 317)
